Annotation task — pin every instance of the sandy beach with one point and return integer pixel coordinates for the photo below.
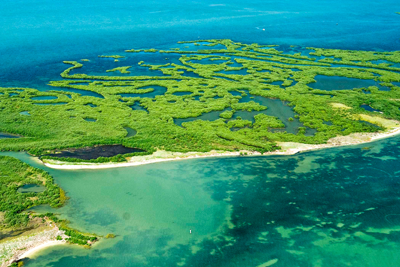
(287, 148)
(34, 249)
(28, 244)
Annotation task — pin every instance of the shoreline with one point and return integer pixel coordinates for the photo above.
(29, 244)
(33, 250)
(287, 148)
(23, 249)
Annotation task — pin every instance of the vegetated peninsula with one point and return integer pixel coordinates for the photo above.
(23, 187)
(220, 98)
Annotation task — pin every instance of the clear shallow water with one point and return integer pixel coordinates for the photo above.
(5, 135)
(31, 188)
(332, 83)
(333, 207)
(369, 108)
(130, 132)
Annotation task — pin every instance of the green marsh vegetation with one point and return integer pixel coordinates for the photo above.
(203, 81)
(14, 174)
(14, 205)
(123, 70)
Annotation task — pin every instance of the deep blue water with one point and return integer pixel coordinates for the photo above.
(35, 37)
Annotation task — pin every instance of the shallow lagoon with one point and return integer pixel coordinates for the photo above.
(333, 207)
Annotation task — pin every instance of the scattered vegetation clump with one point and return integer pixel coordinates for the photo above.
(76, 237)
(123, 70)
(225, 78)
(110, 236)
(112, 56)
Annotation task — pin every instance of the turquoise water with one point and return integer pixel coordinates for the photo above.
(137, 106)
(333, 207)
(90, 119)
(329, 83)
(31, 188)
(130, 132)
(6, 135)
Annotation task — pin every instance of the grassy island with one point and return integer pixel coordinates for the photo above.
(222, 95)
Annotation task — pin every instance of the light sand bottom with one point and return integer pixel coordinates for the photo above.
(34, 249)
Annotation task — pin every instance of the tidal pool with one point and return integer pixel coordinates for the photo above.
(6, 135)
(130, 132)
(79, 91)
(51, 104)
(90, 119)
(25, 113)
(208, 116)
(333, 207)
(137, 106)
(31, 188)
(369, 108)
(158, 90)
(46, 97)
(332, 83)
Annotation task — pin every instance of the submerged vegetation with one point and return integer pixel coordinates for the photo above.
(123, 70)
(231, 88)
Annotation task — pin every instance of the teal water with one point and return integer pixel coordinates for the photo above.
(31, 188)
(208, 116)
(137, 106)
(6, 135)
(333, 207)
(329, 83)
(130, 132)
(369, 108)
